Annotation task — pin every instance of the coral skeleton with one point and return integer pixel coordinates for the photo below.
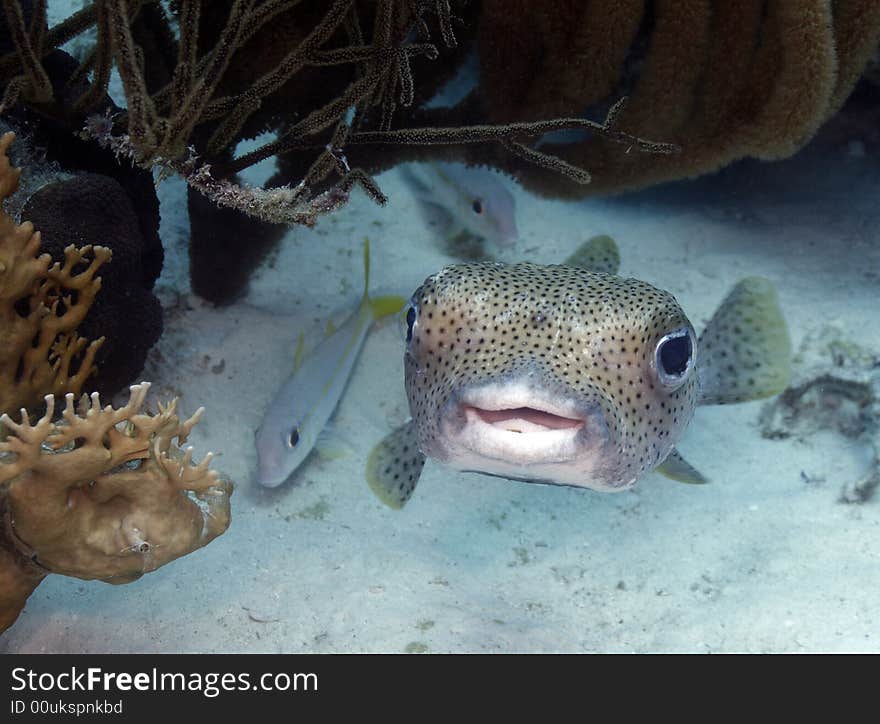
(836, 387)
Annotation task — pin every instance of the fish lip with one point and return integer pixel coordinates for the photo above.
(517, 395)
(530, 419)
(544, 427)
(270, 479)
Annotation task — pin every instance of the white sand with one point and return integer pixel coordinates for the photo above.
(756, 561)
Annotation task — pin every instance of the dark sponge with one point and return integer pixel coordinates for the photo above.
(225, 247)
(95, 209)
(59, 138)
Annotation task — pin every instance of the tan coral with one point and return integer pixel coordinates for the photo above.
(102, 493)
(41, 305)
(723, 81)
(18, 579)
(107, 493)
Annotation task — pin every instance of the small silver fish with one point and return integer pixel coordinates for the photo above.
(569, 374)
(304, 404)
(475, 200)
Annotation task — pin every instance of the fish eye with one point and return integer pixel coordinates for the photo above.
(294, 438)
(411, 315)
(674, 356)
(477, 206)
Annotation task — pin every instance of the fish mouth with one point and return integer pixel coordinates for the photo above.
(522, 420)
(518, 423)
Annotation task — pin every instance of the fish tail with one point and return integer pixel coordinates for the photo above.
(745, 351)
(299, 352)
(366, 268)
(385, 306)
(599, 254)
(380, 306)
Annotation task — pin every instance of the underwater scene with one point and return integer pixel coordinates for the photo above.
(428, 326)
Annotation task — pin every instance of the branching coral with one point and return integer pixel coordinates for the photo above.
(125, 313)
(720, 81)
(341, 84)
(102, 493)
(41, 305)
(203, 110)
(107, 493)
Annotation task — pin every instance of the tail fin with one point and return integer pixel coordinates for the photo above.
(385, 306)
(745, 351)
(380, 306)
(366, 267)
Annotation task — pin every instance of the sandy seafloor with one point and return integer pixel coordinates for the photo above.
(758, 560)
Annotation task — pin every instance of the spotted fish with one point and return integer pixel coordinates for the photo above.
(569, 374)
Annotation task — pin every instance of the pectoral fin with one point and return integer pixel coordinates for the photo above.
(599, 254)
(331, 446)
(677, 468)
(745, 351)
(394, 466)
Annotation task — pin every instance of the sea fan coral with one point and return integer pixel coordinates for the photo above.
(41, 305)
(106, 493)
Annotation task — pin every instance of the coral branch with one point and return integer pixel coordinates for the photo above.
(92, 494)
(36, 85)
(41, 305)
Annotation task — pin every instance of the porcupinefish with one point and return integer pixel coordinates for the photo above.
(306, 401)
(474, 200)
(569, 374)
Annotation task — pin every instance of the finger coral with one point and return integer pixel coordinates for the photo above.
(41, 305)
(105, 493)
